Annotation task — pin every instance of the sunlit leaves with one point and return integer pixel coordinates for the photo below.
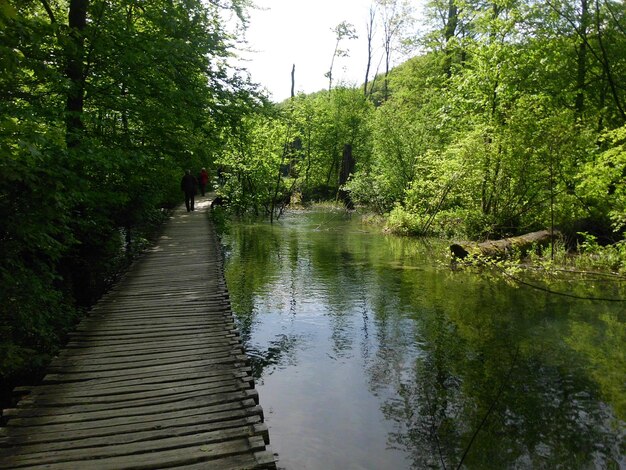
(157, 95)
(604, 179)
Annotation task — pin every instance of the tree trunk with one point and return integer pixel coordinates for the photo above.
(370, 35)
(347, 168)
(74, 71)
(504, 247)
(449, 32)
(582, 60)
(607, 66)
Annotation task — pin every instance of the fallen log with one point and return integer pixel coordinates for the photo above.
(504, 247)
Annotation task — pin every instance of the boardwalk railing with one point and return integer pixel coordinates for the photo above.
(154, 377)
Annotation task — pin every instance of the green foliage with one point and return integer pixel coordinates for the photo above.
(295, 148)
(251, 162)
(492, 132)
(404, 222)
(35, 210)
(594, 256)
(496, 130)
(603, 181)
(157, 97)
(371, 190)
(325, 123)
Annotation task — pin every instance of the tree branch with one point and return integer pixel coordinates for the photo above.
(49, 11)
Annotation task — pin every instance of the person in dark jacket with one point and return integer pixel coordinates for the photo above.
(189, 184)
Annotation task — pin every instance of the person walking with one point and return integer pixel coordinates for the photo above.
(189, 184)
(204, 179)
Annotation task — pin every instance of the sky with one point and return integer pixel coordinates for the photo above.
(287, 32)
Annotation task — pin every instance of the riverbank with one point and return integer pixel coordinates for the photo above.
(587, 255)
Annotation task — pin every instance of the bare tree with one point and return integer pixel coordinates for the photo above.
(343, 30)
(370, 36)
(396, 17)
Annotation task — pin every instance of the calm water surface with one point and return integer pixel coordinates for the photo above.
(370, 352)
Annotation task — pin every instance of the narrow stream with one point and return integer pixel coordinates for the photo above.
(370, 352)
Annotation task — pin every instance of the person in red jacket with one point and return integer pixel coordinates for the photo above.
(204, 179)
(189, 185)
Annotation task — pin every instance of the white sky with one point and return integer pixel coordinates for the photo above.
(287, 32)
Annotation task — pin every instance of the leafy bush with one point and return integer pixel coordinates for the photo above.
(593, 256)
(403, 222)
(369, 190)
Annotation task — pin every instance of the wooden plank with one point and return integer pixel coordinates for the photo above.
(144, 357)
(111, 323)
(132, 435)
(209, 332)
(207, 414)
(134, 362)
(144, 315)
(29, 415)
(131, 396)
(199, 365)
(145, 349)
(158, 294)
(172, 317)
(178, 456)
(176, 438)
(140, 385)
(143, 306)
(160, 376)
(200, 340)
(216, 324)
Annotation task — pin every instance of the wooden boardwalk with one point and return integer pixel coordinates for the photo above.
(155, 377)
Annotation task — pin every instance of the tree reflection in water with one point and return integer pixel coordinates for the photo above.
(279, 352)
(499, 404)
(465, 369)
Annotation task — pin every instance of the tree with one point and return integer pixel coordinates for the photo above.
(343, 30)
(598, 28)
(251, 161)
(396, 17)
(370, 36)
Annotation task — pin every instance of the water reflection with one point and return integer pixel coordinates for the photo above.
(371, 353)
